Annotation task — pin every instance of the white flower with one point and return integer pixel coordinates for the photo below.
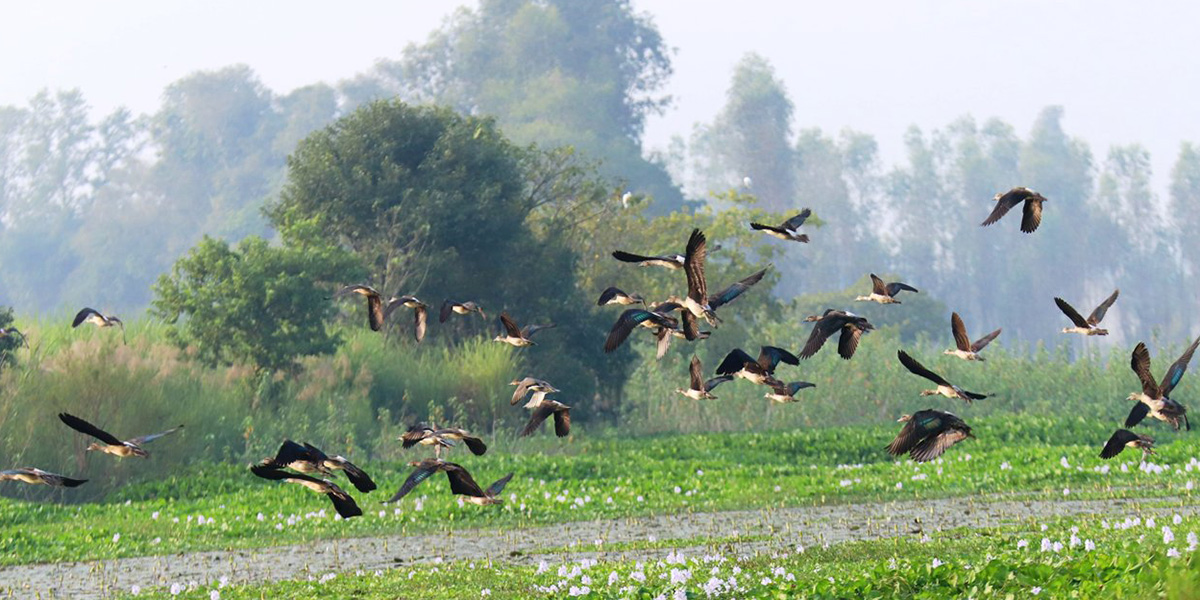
(1046, 545)
(613, 577)
(1063, 461)
(1150, 522)
(1004, 466)
(327, 577)
(1177, 519)
(176, 588)
(1172, 553)
(765, 581)
(1168, 535)
(116, 537)
(899, 485)
(1036, 590)
(542, 567)
(136, 590)
(936, 563)
(154, 515)
(485, 592)
(1089, 545)
(638, 576)
(214, 595)
(640, 498)
(679, 576)
(1023, 543)
(678, 489)
(1066, 491)
(222, 581)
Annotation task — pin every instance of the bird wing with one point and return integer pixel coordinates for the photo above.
(1117, 442)
(727, 295)
(420, 317)
(715, 381)
(1032, 216)
(878, 286)
(917, 368)
(769, 357)
(365, 290)
(630, 319)
(270, 471)
(544, 410)
(896, 287)
(288, 453)
(1139, 361)
(498, 486)
(84, 427)
(461, 482)
(934, 445)
(798, 220)
(522, 389)
(1071, 313)
(796, 386)
(357, 476)
(415, 434)
(447, 308)
(1175, 373)
(911, 434)
(532, 329)
(663, 335)
(848, 342)
(822, 329)
(509, 326)
(735, 361)
(474, 444)
(631, 258)
(145, 439)
(422, 472)
(1004, 203)
(83, 315)
(562, 422)
(691, 328)
(760, 227)
(1137, 413)
(345, 505)
(608, 294)
(375, 312)
(984, 341)
(697, 374)
(961, 341)
(1098, 314)
(693, 266)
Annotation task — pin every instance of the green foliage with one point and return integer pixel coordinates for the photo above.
(9, 343)
(255, 304)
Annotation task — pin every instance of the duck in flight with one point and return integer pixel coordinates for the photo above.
(660, 316)
(441, 437)
(787, 392)
(614, 295)
(420, 313)
(696, 302)
(36, 476)
(963, 348)
(1124, 438)
(885, 293)
(543, 408)
(461, 482)
(699, 388)
(944, 387)
(515, 336)
(375, 311)
(670, 261)
(1090, 325)
(112, 445)
(1005, 202)
(459, 308)
(345, 506)
(307, 458)
(927, 434)
(1154, 399)
(786, 231)
(530, 384)
(93, 316)
(851, 326)
(762, 371)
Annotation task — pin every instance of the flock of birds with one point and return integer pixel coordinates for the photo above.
(925, 436)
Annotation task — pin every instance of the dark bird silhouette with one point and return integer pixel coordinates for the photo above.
(963, 348)
(1089, 325)
(787, 230)
(885, 293)
(944, 387)
(1154, 399)
(544, 409)
(850, 325)
(696, 301)
(375, 312)
(633, 317)
(614, 295)
(93, 316)
(1124, 438)
(345, 506)
(461, 482)
(761, 371)
(35, 476)
(787, 391)
(670, 261)
(307, 458)
(515, 336)
(927, 434)
(459, 308)
(112, 445)
(441, 437)
(420, 313)
(699, 388)
(1007, 200)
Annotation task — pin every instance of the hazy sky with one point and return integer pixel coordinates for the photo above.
(1125, 72)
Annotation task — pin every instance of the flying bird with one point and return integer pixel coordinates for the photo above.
(634, 317)
(944, 387)
(963, 348)
(885, 293)
(1007, 200)
(375, 312)
(787, 230)
(1124, 438)
(761, 371)
(543, 408)
(851, 326)
(93, 316)
(345, 506)
(927, 434)
(787, 391)
(696, 301)
(441, 437)
(459, 308)
(112, 445)
(307, 458)
(1088, 326)
(612, 295)
(700, 389)
(1154, 399)
(35, 476)
(670, 261)
(515, 336)
(420, 313)
(461, 482)
(530, 384)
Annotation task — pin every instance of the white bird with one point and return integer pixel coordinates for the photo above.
(746, 181)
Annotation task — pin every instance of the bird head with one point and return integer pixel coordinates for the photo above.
(904, 419)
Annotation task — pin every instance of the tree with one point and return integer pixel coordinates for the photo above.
(8, 343)
(254, 304)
